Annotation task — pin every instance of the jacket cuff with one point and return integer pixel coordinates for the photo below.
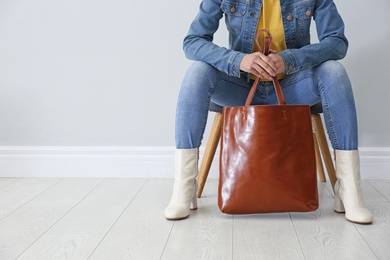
(234, 64)
(290, 62)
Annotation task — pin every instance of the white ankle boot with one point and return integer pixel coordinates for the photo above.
(348, 196)
(185, 186)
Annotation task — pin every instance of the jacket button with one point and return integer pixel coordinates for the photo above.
(253, 14)
(290, 67)
(308, 13)
(233, 9)
(234, 72)
(289, 17)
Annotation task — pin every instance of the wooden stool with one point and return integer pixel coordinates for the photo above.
(322, 151)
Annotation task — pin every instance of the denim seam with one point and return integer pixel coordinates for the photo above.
(331, 131)
(211, 90)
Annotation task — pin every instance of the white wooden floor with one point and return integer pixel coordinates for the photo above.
(123, 219)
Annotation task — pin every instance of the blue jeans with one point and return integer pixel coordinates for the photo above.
(328, 83)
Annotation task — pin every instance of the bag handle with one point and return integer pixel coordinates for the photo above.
(265, 51)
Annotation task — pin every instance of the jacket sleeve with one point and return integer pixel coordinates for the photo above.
(198, 44)
(332, 44)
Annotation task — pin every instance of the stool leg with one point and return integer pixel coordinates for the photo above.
(320, 168)
(323, 144)
(208, 156)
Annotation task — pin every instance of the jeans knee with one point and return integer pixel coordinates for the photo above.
(200, 70)
(199, 76)
(334, 77)
(332, 69)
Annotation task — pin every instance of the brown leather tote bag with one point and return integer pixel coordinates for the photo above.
(267, 160)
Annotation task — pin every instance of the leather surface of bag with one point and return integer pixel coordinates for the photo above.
(267, 159)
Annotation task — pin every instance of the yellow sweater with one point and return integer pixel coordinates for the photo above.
(271, 19)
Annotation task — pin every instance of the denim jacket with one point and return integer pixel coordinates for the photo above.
(241, 17)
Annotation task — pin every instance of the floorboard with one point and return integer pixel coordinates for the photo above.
(377, 235)
(97, 212)
(21, 229)
(63, 246)
(383, 187)
(324, 234)
(271, 236)
(141, 225)
(6, 181)
(86, 218)
(206, 234)
(18, 193)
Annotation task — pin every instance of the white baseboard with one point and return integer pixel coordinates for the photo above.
(132, 162)
(99, 162)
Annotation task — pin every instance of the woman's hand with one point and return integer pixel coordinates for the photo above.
(278, 61)
(264, 67)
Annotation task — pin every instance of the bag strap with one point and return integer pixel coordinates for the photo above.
(265, 51)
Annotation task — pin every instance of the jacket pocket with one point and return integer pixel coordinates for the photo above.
(303, 15)
(234, 15)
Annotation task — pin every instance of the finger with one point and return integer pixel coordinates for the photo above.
(267, 65)
(259, 72)
(279, 62)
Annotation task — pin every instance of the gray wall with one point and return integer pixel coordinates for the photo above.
(107, 73)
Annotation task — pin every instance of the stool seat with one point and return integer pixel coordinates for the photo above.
(321, 147)
(315, 109)
(215, 108)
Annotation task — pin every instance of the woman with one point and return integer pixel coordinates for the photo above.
(308, 73)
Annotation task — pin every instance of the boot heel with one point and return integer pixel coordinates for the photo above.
(338, 205)
(194, 202)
